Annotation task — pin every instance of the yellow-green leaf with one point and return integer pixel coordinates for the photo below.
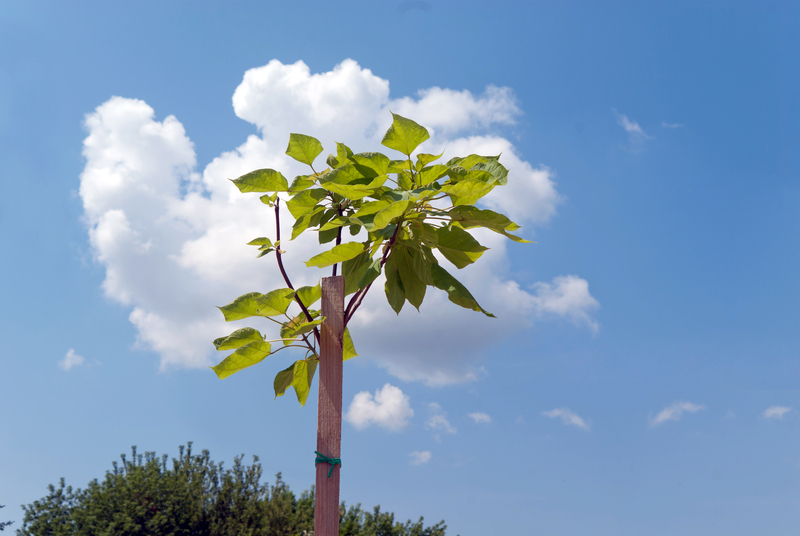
(283, 380)
(303, 376)
(305, 201)
(430, 174)
(468, 191)
(273, 303)
(309, 295)
(404, 135)
(340, 253)
(348, 349)
(262, 180)
(246, 356)
(237, 339)
(303, 148)
(385, 216)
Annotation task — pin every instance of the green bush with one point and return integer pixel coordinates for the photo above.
(143, 496)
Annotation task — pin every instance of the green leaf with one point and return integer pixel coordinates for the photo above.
(246, 356)
(237, 339)
(371, 274)
(260, 241)
(353, 270)
(467, 192)
(305, 201)
(371, 207)
(268, 199)
(385, 216)
(404, 135)
(423, 159)
(335, 223)
(348, 349)
(430, 174)
(394, 286)
(340, 253)
(273, 303)
(456, 292)
(303, 376)
(297, 326)
(309, 295)
(283, 380)
(310, 219)
(262, 180)
(496, 169)
(377, 162)
(328, 235)
(413, 286)
(302, 182)
(469, 216)
(303, 148)
(458, 246)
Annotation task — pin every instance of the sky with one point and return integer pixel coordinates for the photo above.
(642, 374)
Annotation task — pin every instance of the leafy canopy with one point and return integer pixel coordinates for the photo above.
(381, 215)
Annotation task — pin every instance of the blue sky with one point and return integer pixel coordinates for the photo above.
(655, 152)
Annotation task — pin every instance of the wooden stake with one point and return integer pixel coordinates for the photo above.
(329, 412)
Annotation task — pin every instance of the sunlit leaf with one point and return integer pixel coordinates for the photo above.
(260, 241)
(303, 148)
(246, 356)
(303, 376)
(456, 292)
(404, 135)
(309, 295)
(467, 192)
(353, 270)
(237, 339)
(423, 159)
(497, 170)
(302, 182)
(309, 219)
(337, 254)
(262, 180)
(470, 216)
(377, 162)
(430, 174)
(348, 349)
(305, 201)
(385, 216)
(273, 303)
(371, 207)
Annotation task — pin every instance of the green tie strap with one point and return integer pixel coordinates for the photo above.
(321, 458)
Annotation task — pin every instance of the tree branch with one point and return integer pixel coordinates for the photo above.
(358, 297)
(283, 270)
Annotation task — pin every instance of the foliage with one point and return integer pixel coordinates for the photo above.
(145, 496)
(399, 211)
(4, 524)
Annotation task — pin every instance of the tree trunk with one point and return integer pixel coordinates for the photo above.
(329, 413)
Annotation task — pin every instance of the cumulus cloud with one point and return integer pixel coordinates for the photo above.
(566, 296)
(675, 411)
(776, 412)
(480, 418)
(420, 457)
(567, 416)
(389, 408)
(70, 360)
(171, 238)
(437, 421)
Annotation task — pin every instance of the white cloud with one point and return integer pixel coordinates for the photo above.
(389, 409)
(437, 422)
(568, 417)
(567, 296)
(480, 418)
(664, 124)
(418, 458)
(776, 412)
(635, 133)
(70, 360)
(675, 411)
(172, 238)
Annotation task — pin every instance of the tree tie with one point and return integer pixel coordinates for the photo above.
(321, 458)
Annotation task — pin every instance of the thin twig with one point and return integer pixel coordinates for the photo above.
(283, 270)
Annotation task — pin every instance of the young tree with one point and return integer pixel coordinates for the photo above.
(400, 212)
